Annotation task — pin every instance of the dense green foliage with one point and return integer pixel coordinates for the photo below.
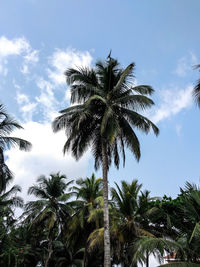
(63, 226)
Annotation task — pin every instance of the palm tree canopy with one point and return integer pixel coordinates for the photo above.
(126, 198)
(52, 187)
(7, 125)
(107, 111)
(52, 203)
(88, 189)
(196, 90)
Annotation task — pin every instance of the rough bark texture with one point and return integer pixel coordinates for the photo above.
(107, 258)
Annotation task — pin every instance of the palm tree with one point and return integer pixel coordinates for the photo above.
(105, 119)
(8, 246)
(156, 246)
(88, 189)
(52, 208)
(130, 219)
(196, 90)
(88, 214)
(191, 211)
(7, 125)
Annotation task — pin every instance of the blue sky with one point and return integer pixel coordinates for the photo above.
(40, 39)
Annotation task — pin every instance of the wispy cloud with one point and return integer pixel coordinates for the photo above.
(27, 107)
(47, 100)
(185, 64)
(16, 47)
(172, 102)
(63, 59)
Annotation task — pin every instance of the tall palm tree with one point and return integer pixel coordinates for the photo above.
(7, 125)
(104, 118)
(51, 209)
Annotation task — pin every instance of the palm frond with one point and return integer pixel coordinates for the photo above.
(96, 239)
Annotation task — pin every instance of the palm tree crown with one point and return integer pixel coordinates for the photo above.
(89, 189)
(7, 125)
(196, 90)
(108, 110)
(52, 197)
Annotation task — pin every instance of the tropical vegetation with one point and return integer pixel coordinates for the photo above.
(84, 222)
(63, 225)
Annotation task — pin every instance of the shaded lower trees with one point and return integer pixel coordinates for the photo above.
(63, 226)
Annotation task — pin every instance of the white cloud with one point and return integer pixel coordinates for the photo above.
(185, 64)
(26, 106)
(193, 59)
(47, 99)
(24, 69)
(68, 95)
(16, 47)
(16, 85)
(182, 67)
(45, 157)
(13, 47)
(32, 56)
(58, 63)
(63, 59)
(173, 101)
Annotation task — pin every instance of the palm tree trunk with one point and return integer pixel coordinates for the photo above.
(107, 258)
(147, 258)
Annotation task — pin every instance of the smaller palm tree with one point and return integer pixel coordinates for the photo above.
(88, 213)
(89, 189)
(52, 208)
(8, 246)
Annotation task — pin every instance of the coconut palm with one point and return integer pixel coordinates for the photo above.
(104, 118)
(88, 214)
(8, 247)
(155, 246)
(88, 189)
(196, 90)
(190, 238)
(52, 208)
(8, 125)
(130, 220)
